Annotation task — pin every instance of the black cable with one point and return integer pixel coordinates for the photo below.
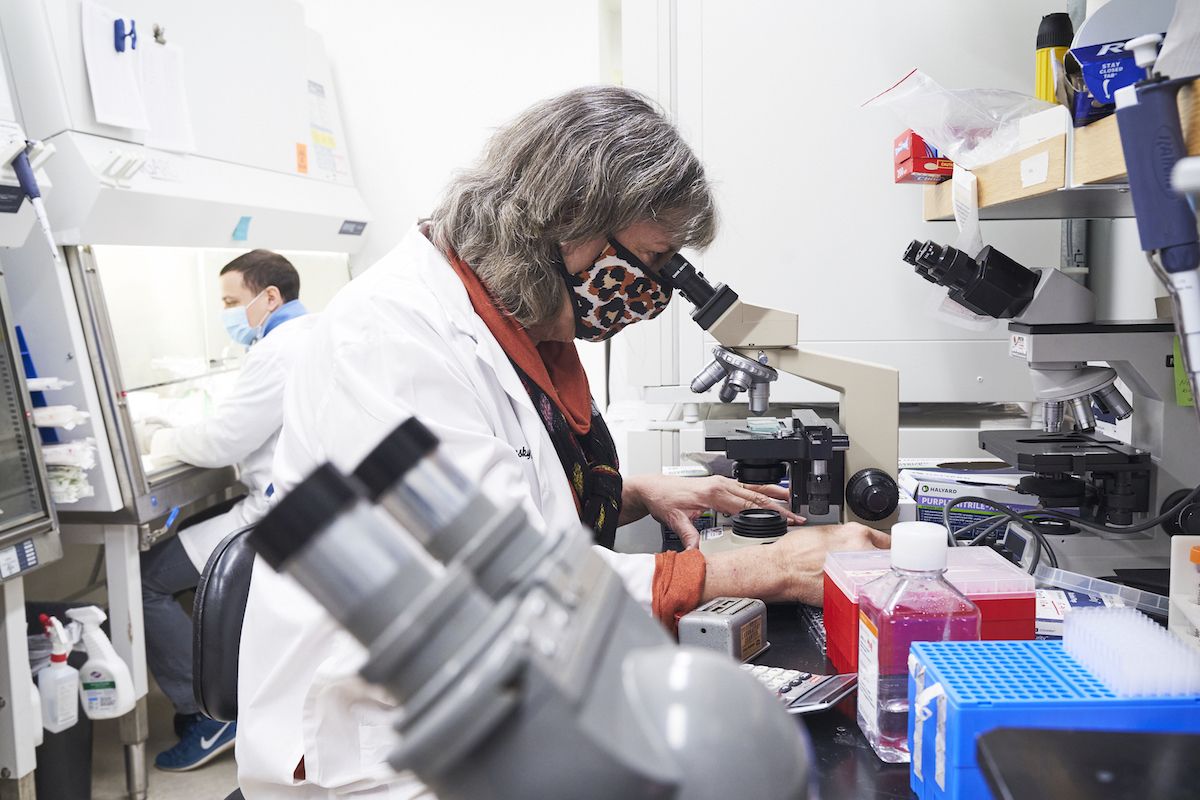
(986, 531)
(1144, 525)
(1039, 538)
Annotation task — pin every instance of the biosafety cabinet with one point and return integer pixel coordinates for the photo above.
(28, 533)
(216, 133)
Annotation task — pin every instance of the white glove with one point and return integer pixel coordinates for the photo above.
(144, 430)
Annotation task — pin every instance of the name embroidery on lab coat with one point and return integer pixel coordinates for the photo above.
(524, 453)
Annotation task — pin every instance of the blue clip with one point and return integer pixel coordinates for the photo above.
(119, 35)
(174, 515)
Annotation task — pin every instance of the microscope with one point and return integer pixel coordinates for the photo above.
(837, 471)
(1154, 476)
(521, 665)
(1053, 329)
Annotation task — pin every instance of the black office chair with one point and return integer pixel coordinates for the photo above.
(217, 618)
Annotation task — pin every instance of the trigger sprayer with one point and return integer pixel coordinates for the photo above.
(58, 684)
(106, 687)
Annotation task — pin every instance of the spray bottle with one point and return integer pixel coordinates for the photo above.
(57, 683)
(106, 687)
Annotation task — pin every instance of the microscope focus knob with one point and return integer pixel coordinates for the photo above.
(1186, 518)
(872, 494)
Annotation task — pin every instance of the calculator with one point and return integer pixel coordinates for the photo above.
(803, 692)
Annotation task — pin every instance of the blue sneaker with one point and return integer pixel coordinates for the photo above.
(201, 742)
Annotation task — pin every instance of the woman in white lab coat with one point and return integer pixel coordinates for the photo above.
(468, 324)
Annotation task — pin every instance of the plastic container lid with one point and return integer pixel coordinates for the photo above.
(978, 572)
(918, 546)
(1151, 603)
(1055, 30)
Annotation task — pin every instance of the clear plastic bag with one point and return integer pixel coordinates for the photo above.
(971, 127)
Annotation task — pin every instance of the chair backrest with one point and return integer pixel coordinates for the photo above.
(217, 626)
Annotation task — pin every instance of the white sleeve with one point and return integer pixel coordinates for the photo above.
(636, 571)
(243, 421)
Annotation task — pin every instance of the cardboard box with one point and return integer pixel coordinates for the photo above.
(932, 489)
(1102, 69)
(916, 161)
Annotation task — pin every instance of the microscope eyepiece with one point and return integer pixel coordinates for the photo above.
(991, 284)
(392, 458)
(710, 302)
(303, 513)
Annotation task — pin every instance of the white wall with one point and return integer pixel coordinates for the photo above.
(422, 85)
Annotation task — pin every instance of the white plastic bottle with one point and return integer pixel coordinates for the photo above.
(106, 687)
(58, 684)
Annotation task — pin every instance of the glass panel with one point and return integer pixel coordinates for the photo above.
(164, 305)
(20, 496)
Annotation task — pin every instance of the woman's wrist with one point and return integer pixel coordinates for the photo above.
(633, 506)
(746, 572)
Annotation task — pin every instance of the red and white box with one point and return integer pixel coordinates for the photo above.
(917, 161)
(1005, 594)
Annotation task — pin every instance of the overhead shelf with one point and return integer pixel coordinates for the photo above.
(1079, 174)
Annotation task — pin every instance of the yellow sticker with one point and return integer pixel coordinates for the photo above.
(752, 637)
(301, 158)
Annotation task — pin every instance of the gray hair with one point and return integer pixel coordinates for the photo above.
(573, 168)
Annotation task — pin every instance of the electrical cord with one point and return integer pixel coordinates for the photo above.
(988, 531)
(1039, 539)
(1145, 525)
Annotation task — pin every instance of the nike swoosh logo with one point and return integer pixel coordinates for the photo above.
(206, 744)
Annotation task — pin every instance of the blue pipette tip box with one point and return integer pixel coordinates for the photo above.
(1028, 684)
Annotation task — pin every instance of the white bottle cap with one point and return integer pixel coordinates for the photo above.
(918, 546)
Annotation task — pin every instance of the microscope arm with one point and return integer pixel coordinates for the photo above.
(868, 394)
(869, 403)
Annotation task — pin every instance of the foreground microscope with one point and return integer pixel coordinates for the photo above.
(522, 666)
(838, 471)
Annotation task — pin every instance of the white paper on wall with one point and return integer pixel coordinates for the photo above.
(165, 97)
(112, 76)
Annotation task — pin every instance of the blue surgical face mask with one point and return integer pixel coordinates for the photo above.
(237, 324)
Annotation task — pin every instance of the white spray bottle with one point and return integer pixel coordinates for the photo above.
(106, 687)
(58, 683)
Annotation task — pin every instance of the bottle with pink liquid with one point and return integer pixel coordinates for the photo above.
(911, 603)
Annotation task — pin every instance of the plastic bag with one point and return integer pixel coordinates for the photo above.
(68, 484)
(80, 453)
(65, 417)
(47, 384)
(971, 127)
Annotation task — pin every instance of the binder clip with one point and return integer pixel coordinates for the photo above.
(119, 35)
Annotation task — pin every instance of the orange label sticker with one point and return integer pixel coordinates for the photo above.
(301, 158)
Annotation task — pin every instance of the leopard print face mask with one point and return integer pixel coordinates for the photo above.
(616, 291)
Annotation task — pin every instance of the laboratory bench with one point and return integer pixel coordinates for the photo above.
(845, 764)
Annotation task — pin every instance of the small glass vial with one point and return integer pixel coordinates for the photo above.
(913, 602)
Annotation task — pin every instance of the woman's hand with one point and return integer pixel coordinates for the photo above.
(790, 569)
(677, 502)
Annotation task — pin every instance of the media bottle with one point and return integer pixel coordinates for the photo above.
(913, 602)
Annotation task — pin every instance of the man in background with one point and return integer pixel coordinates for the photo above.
(260, 293)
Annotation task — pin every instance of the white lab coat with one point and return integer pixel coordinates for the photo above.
(242, 431)
(401, 339)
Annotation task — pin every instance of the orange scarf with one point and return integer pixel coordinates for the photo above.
(554, 366)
